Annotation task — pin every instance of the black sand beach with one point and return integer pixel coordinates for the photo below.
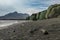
(32, 30)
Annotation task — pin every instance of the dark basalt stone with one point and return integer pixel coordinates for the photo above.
(46, 33)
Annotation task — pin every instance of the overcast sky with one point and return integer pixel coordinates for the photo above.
(25, 6)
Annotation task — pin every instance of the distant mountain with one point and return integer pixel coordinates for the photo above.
(14, 15)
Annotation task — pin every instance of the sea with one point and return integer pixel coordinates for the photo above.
(4, 23)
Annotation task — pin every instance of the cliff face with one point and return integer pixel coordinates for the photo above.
(42, 15)
(52, 12)
(34, 16)
(38, 16)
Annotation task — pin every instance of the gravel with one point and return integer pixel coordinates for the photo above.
(32, 30)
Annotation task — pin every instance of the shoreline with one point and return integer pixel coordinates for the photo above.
(32, 30)
(2, 26)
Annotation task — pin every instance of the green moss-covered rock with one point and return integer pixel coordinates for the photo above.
(53, 11)
(34, 16)
(28, 18)
(42, 15)
(39, 15)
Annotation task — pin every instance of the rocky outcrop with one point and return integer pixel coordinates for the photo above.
(42, 15)
(53, 11)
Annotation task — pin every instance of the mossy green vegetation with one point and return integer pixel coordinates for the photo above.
(52, 12)
(42, 15)
(28, 18)
(34, 17)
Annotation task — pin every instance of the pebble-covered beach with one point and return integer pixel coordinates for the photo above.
(32, 30)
